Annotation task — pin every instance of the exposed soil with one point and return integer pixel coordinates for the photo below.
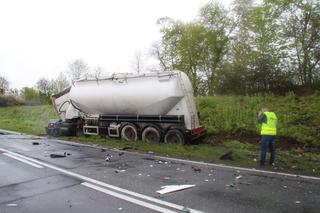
(285, 143)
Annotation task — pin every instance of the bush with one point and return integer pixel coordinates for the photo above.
(10, 100)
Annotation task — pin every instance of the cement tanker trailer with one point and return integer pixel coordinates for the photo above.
(153, 107)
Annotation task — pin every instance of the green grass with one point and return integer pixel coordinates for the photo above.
(298, 119)
(27, 119)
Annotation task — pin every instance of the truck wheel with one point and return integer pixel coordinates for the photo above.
(56, 132)
(129, 133)
(174, 136)
(151, 135)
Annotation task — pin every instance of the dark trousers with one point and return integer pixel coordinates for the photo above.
(268, 141)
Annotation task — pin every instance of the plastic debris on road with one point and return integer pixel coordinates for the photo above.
(238, 177)
(196, 169)
(119, 171)
(173, 188)
(58, 155)
(12, 204)
(186, 210)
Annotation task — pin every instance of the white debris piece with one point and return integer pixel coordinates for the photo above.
(173, 188)
(239, 177)
(12, 204)
(297, 202)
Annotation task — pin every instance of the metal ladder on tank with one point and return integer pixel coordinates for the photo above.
(189, 104)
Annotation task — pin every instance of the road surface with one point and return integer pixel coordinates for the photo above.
(91, 179)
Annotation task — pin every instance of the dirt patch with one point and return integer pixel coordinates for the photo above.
(285, 143)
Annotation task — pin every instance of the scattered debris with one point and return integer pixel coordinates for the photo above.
(119, 208)
(209, 175)
(186, 210)
(285, 187)
(245, 183)
(196, 169)
(239, 177)
(126, 148)
(107, 159)
(206, 180)
(119, 171)
(297, 202)
(227, 155)
(121, 153)
(58, 155)
(167, 178)
(12, 204)
(35, 143)
(231, 185)
(173, 188)
(140, 174)
(150, 153)
(151, 166)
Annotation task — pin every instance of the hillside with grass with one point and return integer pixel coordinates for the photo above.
(231, 122)
(236, 117)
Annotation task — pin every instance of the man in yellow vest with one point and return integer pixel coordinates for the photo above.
(268, 132)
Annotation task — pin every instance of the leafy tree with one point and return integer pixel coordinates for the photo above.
(30, 95)
(4, 85)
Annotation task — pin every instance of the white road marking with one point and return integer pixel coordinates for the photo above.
(87, 179)
(127, 198)
(241, 168)
(23, 160)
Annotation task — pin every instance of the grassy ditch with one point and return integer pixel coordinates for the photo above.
(231, 124)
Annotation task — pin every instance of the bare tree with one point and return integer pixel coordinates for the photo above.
(60, 83)
(4, 85)
(157, 53)
(77, 69)
(98, 71)
(136, 62)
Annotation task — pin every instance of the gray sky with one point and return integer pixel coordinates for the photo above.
(39, 37)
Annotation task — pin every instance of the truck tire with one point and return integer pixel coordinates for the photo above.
(56, 132)
(129, 132)
(174, 136)
(151, 135)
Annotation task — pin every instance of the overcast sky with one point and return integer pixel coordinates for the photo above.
(38, 38)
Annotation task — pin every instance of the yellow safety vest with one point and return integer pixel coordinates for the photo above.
(269, 128)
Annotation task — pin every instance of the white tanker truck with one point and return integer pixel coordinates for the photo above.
(153, 107)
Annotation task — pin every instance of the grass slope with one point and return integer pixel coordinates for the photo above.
(27, 119)
(233, 119)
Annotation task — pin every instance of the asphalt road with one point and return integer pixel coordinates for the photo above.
(31, 181)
